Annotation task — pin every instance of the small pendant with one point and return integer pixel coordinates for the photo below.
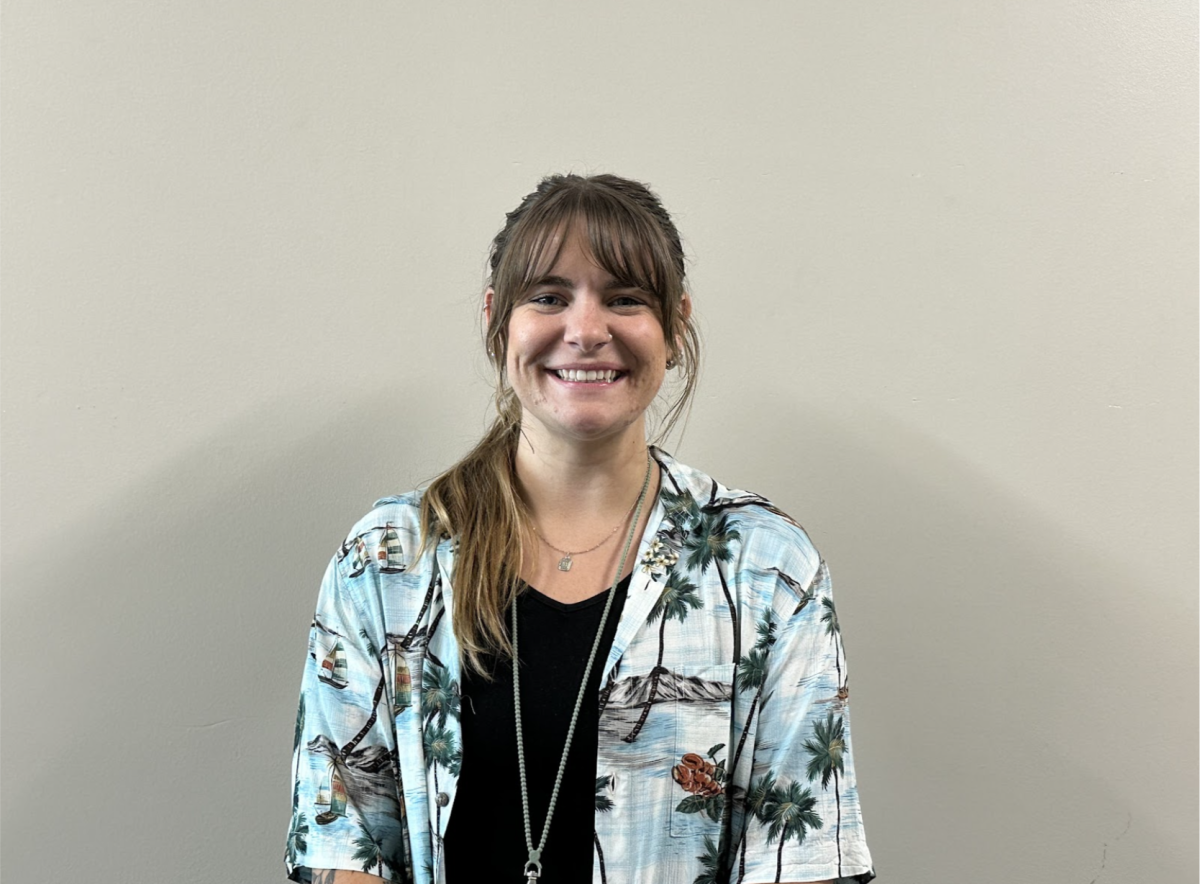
(564, 564)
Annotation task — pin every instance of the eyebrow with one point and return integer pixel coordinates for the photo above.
(563, 282)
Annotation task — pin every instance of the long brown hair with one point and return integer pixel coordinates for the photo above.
(476, 501)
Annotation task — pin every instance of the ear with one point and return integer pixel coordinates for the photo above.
(685, 312)
(487, 306)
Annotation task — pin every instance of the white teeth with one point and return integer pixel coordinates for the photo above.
(571, 374)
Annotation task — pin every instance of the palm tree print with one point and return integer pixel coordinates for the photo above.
(370, 645)
(680, 508)
(833, 629)
(678, 597)
(440, 751)
(828, 749)
(759, 792)
(788, 813)
(710, 542)
(766, 629)
(752, 675)
(710, 860)
(439, 694)
(603, 805)
(299, 725)
(373, 651)
(369, 852)
(297, 840)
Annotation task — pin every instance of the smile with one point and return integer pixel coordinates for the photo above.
(606, 376)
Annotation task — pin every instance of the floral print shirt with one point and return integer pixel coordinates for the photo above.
(724, 745)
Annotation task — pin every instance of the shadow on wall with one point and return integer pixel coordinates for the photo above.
(1006, 670)
(154, 730)
(157, 646)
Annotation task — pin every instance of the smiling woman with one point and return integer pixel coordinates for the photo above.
(571, 655)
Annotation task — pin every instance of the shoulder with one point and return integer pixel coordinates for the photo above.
(400, 511)
(766, 540)
(387, 536)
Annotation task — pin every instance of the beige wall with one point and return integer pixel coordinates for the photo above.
(945, 258)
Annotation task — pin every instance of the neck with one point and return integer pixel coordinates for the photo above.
(562, 483)
(577, 496)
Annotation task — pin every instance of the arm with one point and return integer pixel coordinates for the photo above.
(346, 810)
(804, 819)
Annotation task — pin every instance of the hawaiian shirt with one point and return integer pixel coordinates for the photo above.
(724, 744)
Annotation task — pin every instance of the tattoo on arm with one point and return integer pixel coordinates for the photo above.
(323, 876)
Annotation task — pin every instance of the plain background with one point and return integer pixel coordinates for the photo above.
(944, 257)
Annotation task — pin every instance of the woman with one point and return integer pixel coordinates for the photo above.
(679, 711)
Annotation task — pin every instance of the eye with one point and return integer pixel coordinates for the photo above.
(547, 299)
(628, 301)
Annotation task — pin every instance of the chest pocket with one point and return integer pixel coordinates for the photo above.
(703, 749)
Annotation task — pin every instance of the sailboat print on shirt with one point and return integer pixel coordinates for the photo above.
(390, 554)
(359, 559)
(403, 693)
(333, 667)
(331, 794)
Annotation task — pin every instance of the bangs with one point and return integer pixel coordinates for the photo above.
(619, 237)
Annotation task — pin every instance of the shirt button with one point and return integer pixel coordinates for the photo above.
(442, 799)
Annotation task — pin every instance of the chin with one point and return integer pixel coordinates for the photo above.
(593, 431)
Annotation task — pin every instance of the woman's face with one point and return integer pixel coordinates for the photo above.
(586, 357)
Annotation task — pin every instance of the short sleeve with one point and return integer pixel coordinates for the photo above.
(347, 806)
(803, 821)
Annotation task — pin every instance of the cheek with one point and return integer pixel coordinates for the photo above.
(653, 349)
(514, 352)
(526, 341)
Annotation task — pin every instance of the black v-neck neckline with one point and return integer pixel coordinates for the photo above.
(598, 599)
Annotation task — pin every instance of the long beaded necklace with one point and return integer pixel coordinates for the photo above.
(533, 867)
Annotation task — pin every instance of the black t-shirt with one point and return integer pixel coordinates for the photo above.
(485, 839)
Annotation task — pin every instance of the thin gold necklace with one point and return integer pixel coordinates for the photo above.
(565, 563)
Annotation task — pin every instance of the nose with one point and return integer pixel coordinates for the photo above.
(587, 325)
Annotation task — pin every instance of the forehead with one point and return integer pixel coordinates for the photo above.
(575, 261)
(582, 249)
